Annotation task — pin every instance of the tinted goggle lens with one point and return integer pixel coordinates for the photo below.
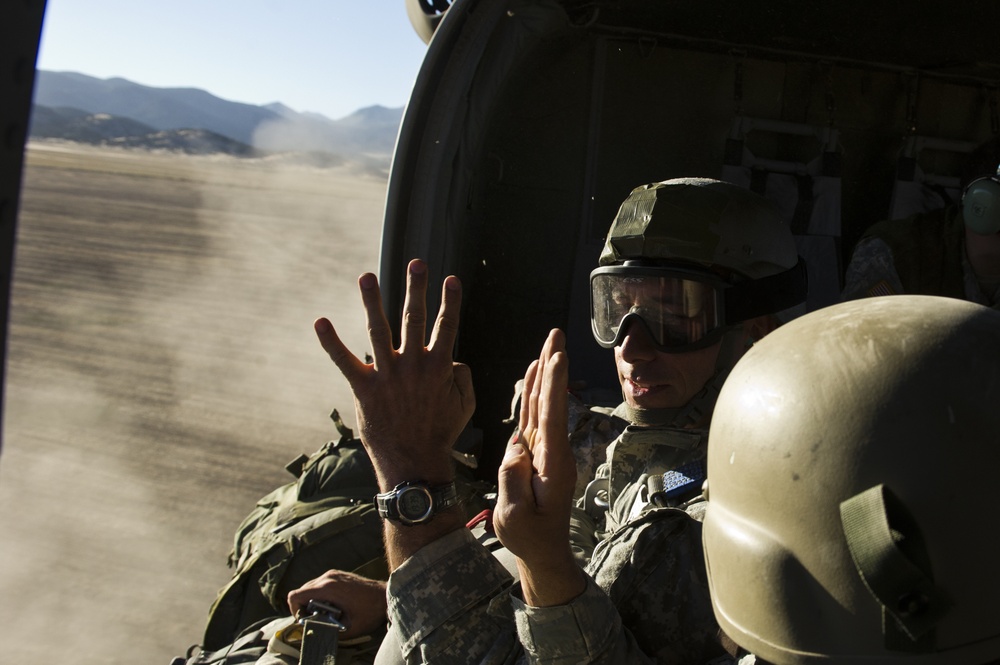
(677, 310)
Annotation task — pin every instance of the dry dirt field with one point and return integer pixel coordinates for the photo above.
(162, 369)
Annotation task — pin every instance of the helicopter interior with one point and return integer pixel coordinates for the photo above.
(531, 121)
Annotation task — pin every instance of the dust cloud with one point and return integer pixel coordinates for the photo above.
(161, 370)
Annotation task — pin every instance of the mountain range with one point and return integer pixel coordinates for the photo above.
(116, 111)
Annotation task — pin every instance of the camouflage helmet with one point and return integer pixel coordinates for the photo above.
(703, 222)
(852, 487)
(692, 258)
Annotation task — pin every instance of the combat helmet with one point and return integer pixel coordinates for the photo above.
(852, 502)
(690, 258)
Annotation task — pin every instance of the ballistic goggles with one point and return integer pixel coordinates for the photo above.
(683, 309)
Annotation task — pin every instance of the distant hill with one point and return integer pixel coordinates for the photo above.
(116, 111)
(72, 124)
(78, 125)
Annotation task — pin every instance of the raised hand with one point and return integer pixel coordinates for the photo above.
(411, 402)
(536, 481)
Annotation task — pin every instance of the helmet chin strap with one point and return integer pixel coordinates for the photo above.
(697, 412)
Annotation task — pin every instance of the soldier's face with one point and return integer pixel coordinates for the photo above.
(653, 379)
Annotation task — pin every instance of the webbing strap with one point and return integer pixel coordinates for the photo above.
(677, 485)
(906, 593)
(752, 298)
(319, 643)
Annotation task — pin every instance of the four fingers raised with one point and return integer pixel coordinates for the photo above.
(346, 362)
(414, 326)
(379, 333)
(446, 325)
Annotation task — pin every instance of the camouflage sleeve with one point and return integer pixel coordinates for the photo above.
(647, 601)
(448, 604)
(587, 630)
(582, 535)
(871, 272)
(653, 571)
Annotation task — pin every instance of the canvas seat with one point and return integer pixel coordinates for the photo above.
(806, 191)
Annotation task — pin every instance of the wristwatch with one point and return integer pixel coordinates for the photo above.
(415, 502)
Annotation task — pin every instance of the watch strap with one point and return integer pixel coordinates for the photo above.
(442, 497)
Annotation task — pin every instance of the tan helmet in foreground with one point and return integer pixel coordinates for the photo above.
(854, 509)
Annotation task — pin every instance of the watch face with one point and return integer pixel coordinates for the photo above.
(414, 504)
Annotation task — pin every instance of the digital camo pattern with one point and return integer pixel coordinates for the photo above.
(643, 451)
(447, 604)
(654, 573)
(871, 272)
(591, 431)
(450, 603)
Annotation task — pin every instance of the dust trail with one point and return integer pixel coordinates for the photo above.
(162, 368)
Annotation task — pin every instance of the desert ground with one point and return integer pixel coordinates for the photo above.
(162, 369)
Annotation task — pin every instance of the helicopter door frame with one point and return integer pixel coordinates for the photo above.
(20, 34)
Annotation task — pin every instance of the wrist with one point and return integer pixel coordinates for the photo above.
(391, 470)
(415, 502)
(556, 582)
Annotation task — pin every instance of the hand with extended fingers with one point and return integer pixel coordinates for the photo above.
(536, 481)
(411, 402)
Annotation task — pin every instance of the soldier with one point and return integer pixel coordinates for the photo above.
(952, 251)
(851, 495)
(692, 272)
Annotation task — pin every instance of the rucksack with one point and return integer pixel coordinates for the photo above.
(280, 641)
(248, 647)
(325, 519)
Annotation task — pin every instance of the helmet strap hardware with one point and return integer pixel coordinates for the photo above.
(886, 548)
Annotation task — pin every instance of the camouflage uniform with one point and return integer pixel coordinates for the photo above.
(874, 268)
(646, 598)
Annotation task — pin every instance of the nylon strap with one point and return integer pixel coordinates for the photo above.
(907, 595)
(319, 643)
(767, 295)
(677, 485)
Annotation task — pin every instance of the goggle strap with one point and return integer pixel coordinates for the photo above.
(767, 295)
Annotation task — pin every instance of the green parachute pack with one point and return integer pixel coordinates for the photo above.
(325, 519)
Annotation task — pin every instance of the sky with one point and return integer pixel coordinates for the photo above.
(325, 56)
